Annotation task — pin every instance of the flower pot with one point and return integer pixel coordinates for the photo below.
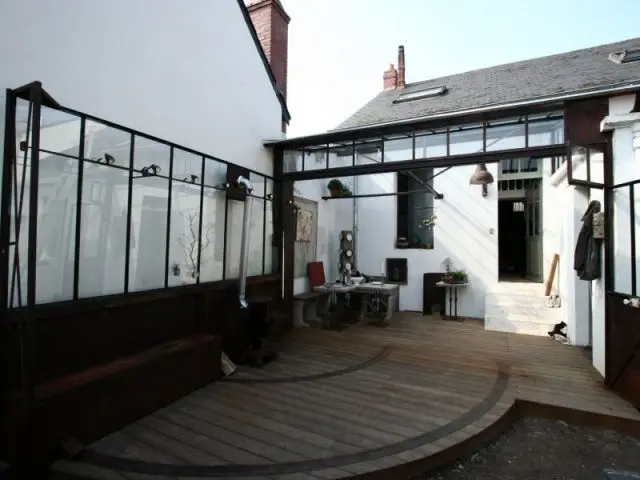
(335, 192)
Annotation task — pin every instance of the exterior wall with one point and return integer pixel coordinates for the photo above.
(333, 216)
(190, 75)
(466, 231)
(158, 69)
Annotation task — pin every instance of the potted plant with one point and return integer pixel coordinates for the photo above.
(338, 189)
(456, 277)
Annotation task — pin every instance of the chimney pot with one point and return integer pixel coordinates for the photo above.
(401, 69)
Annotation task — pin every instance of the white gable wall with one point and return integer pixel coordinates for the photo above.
(188, 72)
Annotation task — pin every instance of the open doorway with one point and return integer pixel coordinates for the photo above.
(512, 231)
(520, 232)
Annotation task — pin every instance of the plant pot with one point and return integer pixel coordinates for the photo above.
(456, 282)
(335, 192)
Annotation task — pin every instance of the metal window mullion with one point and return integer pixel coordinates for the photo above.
(168, 224)
(76, 251)
(127, 253)
(632, 218)
(202, 160)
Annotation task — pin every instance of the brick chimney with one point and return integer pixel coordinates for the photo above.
(272, 24)
(401, 80)
(390, 78)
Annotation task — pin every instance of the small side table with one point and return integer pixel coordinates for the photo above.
(452, 294)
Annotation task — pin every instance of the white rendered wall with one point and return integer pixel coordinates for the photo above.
(186, 73)
(463, 233)
(161, 69)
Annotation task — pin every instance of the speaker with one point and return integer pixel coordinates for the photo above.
(347, 262)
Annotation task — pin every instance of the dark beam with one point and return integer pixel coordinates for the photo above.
(436, 162)
(371, 195)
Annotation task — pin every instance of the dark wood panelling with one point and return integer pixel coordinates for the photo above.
(582, 121)
(103, 362)
(623, 347)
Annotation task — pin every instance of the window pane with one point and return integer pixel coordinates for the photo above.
(103, 227)
(465, 139)
(213, 213)
(57, 199)
(256, 234)
(269, 252)
(546, 129)
(340, 155)
(368, 151)
(103, 230)
(398, 148)
(20, 209)
(506, 134)
(315, 158)
(292, 161)
(149, 203)
(59, 132)
(431, 144)
(235, 212)
(185, 219)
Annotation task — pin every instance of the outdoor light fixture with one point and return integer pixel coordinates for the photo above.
(481, 177)
(108, 159)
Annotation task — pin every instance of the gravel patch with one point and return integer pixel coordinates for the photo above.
(540, 448)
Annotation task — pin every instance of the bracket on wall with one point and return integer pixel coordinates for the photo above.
(235, 191)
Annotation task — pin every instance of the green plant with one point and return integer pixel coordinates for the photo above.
(459, 275)
(338, 187)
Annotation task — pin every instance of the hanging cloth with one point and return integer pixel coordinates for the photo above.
(586, 259)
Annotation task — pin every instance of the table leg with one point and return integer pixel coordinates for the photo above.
(363, 306)
(455, 303)
(390, 305)
(450, 294)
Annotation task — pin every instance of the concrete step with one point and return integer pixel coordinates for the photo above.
(504, 299)
(517, 326)
(537, 311)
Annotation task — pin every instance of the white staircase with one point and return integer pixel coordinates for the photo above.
(519, 307)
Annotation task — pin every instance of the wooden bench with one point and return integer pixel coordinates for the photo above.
(90, 404)
(305, 308)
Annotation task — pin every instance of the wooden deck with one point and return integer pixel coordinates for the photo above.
(339, 404)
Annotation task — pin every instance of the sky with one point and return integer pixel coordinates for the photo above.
(339, 49)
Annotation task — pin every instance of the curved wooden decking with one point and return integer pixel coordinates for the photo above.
(364, 400)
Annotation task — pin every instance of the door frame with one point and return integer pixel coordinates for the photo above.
(621, 359)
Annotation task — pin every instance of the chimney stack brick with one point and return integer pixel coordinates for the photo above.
(392, 78)
(272, 26)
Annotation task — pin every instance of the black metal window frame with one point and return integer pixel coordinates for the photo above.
(633, 190)
(588, 151)
(340, 141)
(39, 98)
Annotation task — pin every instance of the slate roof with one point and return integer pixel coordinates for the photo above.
(564, 73)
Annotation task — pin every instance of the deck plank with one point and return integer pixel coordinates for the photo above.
(416, 376)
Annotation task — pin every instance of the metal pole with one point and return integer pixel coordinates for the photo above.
(244, 245)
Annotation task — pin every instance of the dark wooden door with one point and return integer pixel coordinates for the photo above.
(623, 305)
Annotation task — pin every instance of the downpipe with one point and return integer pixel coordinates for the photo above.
(244, 245)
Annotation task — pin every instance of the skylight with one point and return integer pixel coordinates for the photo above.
(625, 56)
(419, 94)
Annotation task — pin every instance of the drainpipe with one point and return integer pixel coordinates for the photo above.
(355, 221)
(244, 244)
